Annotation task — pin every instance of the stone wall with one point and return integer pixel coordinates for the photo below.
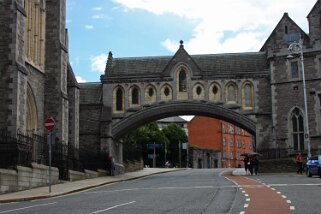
(132, 166)
(23, 178)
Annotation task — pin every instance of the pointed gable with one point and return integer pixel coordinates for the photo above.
(314, 18)
(181, 57)
(285, 32)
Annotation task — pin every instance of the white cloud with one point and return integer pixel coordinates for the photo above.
(89, 27)
(98, 16)
(97, 8)
(215, 18)
(80, 79)
(98, 63)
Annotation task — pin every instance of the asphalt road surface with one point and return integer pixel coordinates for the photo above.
(187, 191)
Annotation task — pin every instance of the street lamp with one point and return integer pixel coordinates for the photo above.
(297, 48)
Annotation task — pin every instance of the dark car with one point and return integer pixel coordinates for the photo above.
(314, 166)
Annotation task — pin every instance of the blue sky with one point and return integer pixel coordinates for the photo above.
(131, 28)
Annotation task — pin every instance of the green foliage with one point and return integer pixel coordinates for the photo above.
(174, 134)
(150, 133)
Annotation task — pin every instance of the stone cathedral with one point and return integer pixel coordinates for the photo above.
(261, 92)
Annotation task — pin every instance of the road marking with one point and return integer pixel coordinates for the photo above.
(23, 208)
(113, 207)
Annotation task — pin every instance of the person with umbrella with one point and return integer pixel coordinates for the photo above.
(246, 161)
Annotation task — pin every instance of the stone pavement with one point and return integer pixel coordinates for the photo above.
(74, 186)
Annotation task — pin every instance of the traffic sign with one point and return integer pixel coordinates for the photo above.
(50, 124)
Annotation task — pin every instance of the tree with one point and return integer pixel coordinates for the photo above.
(147, 134)
(175, 134)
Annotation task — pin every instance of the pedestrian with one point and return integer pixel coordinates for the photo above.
(112, 167)
(299, 162)
(255, 163)
(250, 165)
(108, 167)
(246, 160)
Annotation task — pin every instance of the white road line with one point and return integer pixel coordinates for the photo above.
(23, 208)
(113, 207)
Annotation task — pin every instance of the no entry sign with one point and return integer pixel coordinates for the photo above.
(49, 124)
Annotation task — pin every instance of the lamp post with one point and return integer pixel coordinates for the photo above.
(297, 48)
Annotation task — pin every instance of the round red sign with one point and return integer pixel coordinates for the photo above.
(49, 124)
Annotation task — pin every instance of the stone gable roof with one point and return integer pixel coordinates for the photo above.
(210, 63)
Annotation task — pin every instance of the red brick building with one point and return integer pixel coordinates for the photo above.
(230, 141)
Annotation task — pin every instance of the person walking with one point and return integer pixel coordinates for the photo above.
(299, 162)
(246, 160)
(112, 167)
(255, 163)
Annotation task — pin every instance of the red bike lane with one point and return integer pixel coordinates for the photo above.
(262, 199)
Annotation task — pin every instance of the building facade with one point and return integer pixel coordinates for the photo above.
(254, 91)
(218, 143)
(36, 79)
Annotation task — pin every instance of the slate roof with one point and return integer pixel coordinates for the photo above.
(213, 63)
(90, 93)
(175, 119)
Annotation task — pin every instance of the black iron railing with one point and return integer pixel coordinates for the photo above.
(25, 148)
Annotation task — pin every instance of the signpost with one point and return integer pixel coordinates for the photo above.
(49, 125)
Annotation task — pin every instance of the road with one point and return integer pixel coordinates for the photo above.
(187, 191)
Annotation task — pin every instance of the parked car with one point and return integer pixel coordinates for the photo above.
(313, 166)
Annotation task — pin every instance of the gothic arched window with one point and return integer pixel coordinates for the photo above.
(32, 118)
(135, 96)
(119, 100)
(297, 129)
(182, 85)
(231, 93)
(247, 93)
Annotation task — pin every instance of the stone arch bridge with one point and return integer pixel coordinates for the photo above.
(231, 87)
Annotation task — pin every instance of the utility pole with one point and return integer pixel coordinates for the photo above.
(180, 154)
(154, 156)
(187, 155)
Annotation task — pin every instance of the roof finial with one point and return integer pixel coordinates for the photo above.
(109, 62)
(181, 44)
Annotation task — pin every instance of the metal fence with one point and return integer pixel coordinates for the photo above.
(25, 148)
(280, 153)
(132, 153)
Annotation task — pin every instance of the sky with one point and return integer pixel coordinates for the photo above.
(134, 28)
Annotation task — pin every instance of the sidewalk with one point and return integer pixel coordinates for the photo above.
(70, 187)
(239, 171)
